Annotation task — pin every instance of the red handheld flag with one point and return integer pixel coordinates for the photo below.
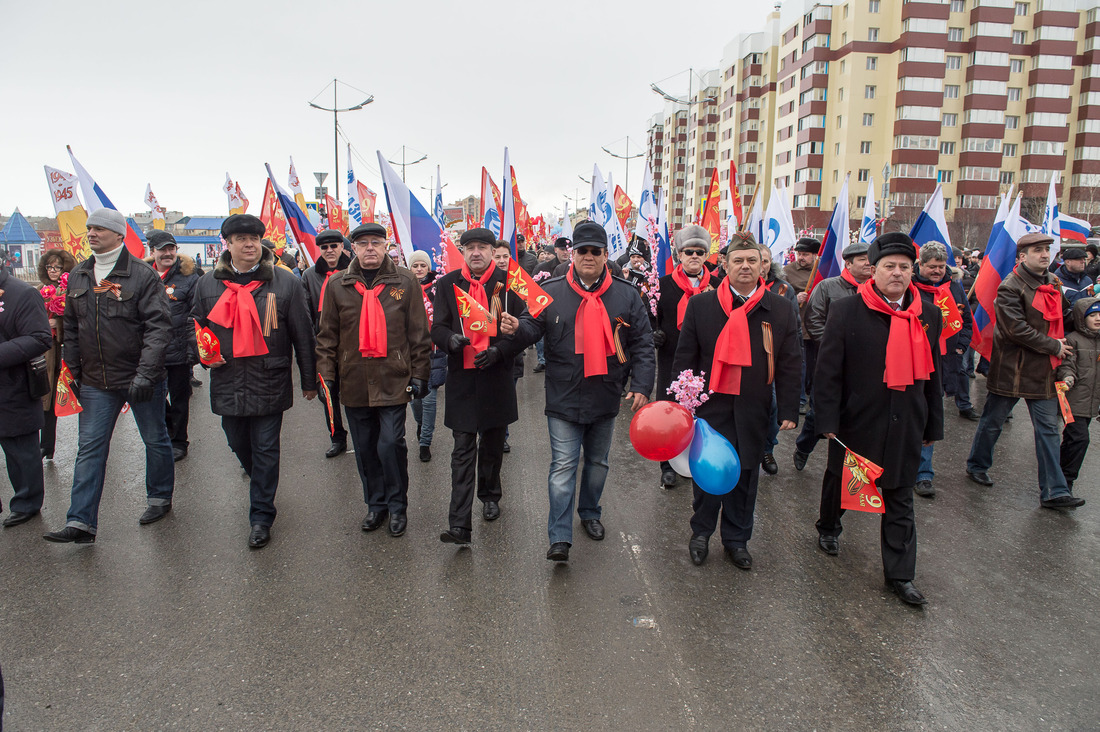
(1061, 388)
(709, 219)
(858, 477)
(210, 348)
(529, 291)
(65, 401)
(475, 318)
(326, 395)
(271, 213)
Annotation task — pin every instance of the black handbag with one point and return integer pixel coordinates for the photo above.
(38, 377)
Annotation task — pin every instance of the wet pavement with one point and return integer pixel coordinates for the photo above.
(178, 625)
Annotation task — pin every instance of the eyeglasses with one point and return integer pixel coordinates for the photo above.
(328, 246)
(53, 266)
(588, 251)
(694, 253)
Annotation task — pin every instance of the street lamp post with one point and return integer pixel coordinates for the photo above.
(689, 103)
(420, 159)
(336, 110)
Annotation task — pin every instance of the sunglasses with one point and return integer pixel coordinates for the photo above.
(329, 246)
(588, 251)
(694, 253)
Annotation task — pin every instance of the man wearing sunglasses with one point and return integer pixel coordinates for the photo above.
(597, 333)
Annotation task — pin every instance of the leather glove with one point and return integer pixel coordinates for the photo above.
(659, 338)
(457, 343)
(331, 384)
(488, 357)
(419, 388)
(141, 390)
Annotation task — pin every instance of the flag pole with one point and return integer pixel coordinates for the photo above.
(752, 204)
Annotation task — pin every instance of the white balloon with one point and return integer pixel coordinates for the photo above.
(680, 462)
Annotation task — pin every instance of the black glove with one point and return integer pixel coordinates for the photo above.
(457, 343)
(488, 357)
(331, 384)
(659, 338)
(75, 388)
(141, 390)
(419, 388)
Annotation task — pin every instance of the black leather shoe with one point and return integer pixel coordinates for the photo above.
(829, 544)
(740, 557)
(768, 463)
(425, 454)
(925, 489)
(594, 529)
(909, 594)
(154, 513)
(979, 478)
(800, 459)
(970, 414)
(668, 478)
(507, 447)
(374, 520)
(178, 453)
(259, 536)
(539, 368)
(337, 448)
(698, 549)
(1059, 502)
(398, 522)
(16, 517)
(558, 552)
(455, 535)
(70, 534)
(490, 510)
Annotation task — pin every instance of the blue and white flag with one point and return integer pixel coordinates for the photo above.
(778, 228)
(437, 206)
(1051, 225)
(647, 206)
(355, 210)
(868, 230)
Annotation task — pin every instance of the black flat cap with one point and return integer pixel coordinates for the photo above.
(332, 235)
(482, 235)
(242, 224)
(895, 242)
(589, 232)
(808, 244)
(159, 239)
(370, 229)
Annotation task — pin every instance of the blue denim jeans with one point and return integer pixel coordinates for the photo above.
(539, 352)
(424, 414)
(566, 441)
(97, 424)
(1044, 422)
(925, 472)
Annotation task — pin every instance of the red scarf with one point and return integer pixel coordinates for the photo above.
(478, 341)
(236, 310)
(372, 323)
(324, 284)
(1048, 301)
(908, 354)
(733, 351)
(846, 275)
(680, 277)
(592, 326)
(939, 293)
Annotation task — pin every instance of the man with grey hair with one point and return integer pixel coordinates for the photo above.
(857, 269)
(938, 288)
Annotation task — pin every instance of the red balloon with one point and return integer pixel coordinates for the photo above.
(661, 430)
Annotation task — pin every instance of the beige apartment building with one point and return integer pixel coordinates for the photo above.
(974, 94)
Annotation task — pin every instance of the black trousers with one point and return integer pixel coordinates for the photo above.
(177, 410)
(339, 434)
(736, 507)
(382, 456)
(24, 459)
(1075, 443)
(49, 430)
(470, 455)
(898, 530)
(255, 441)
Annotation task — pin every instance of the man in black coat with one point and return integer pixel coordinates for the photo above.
(259, 314)
(597, 333)
(24, 334)
(745, 338)
(117, 330)
(480, 393)
(877, 390)
(526, 259)
(561, 256)
(335, 257)
(179, 275)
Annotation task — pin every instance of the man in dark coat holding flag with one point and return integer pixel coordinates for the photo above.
(877, 390)
(745, 338)
(480, 393)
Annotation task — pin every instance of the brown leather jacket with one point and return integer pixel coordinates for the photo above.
(1020, 364)
(373, 382)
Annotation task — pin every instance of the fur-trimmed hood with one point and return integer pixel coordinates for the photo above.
(186, 263)
(223, 270)
(68, 261)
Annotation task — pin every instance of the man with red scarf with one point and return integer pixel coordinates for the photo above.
(480, 393)
(745, 338)
(877, 390)
(258, 313)
(373, 341)
(596, 334)
(1028, 344)
(687, 280)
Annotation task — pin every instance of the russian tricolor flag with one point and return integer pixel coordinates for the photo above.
(830, 261)
(304, 233)
(413, 225)
(508, 214)
(931, 225)
(1074, 229)
(95, 199)
(999, 259)
(665, 265)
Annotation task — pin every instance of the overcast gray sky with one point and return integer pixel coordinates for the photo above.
(176, 94)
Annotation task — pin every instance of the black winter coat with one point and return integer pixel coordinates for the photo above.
(111, 338)
(666, 323)
(569, 394)
(179, 285)
(851, 399)
(259, 385)
(313, 278)
(24, 334)
(743, 419)
(477, 399)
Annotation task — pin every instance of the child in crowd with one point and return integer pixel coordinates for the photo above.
(1081, 372)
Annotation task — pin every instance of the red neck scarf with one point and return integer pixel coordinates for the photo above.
(592, 327)
(1048, 301)
(680, 277)
(847, 277)
(372, 323)
(478, 341)
(908, 354)
(733, 351)
(952, 320)
(236, 310)
(324, 284)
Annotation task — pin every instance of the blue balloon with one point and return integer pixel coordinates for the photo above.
(715, 466)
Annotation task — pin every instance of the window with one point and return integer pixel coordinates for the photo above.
(920, 83)
(1085, 99)
(954, 62)
(977, 173)
(868, 119)
(1014, 93)
(951, 91)
(869, 92)
(865, 147)
(928, 114)
(1021, 8)
(1019, 37)
(984, 116)
(1012, 122)
(984, 86)
(1047, 119)
(812, 120)
(863, 175)
(915, 142)
(872, 63)
(872, 6)
(950, 120)
(807, 174)
(981, 144)
(989, 58)
(1088, 125)
(1086, 153)
(1009, 151)
(954, 34)
(840, 94)
(809, 148)
(921, 54)
(861, 201)
(1052, 91)
(1055, 33)
(839, 121)
(958, 6)
(944, 176)
(1044, 147)
(1016, 66)
(912, 170)
(947, 148)
(872, 34)
(1064, 63)
(924, 25)
(1037, 176)
(1007, 177)
(996, 30)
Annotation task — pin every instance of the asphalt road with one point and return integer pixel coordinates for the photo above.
(178, 625)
